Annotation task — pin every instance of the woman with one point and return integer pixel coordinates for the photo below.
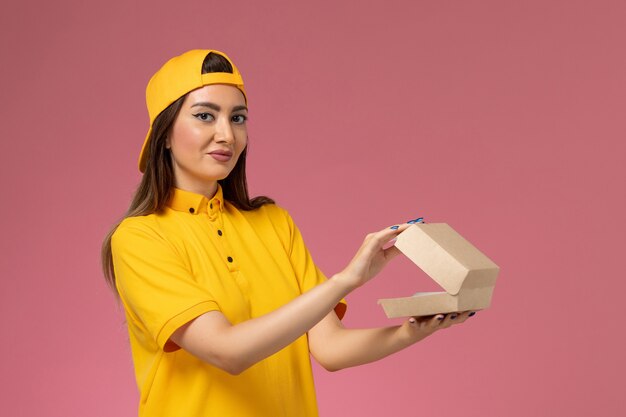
(222, 299)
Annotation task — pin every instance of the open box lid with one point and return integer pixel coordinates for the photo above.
(446, 257)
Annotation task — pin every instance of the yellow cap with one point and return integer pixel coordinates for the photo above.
(177, 77)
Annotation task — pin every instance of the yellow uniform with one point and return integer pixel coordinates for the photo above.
(201, 255)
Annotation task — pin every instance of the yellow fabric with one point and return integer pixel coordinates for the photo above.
(174, 266)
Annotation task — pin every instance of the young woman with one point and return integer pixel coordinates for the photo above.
(223, 302)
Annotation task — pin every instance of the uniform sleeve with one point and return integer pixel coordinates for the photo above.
(308, 274)
(156, 286)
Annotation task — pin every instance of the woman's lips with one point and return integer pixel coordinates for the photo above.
(222, 157)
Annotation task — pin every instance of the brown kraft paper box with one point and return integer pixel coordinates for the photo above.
(466, 274)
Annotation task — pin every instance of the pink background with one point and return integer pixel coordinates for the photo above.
(504, 119)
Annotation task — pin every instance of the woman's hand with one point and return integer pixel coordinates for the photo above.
(417, 328)
(371, 257)
(335, 347)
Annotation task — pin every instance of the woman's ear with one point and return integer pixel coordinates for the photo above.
(167, 142)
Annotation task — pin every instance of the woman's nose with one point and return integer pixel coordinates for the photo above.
(224, 131)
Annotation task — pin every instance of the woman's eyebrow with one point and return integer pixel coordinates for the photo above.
(216, 107)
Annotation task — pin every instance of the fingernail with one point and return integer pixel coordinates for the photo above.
(471, 314)
(419, 220)
(439, 318)
(411, 222)
(452, 317)
(394, 227)
(412, 320)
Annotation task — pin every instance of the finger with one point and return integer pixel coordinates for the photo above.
(391, 252)
(409, 222)
(436, 320)
(394, 230)
(419, 321)
(388, 233)
(465, 315)
(431, 323)
(449, 320)
(377, 240)
(460, 318)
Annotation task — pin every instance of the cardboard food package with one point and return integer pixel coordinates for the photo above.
(467, 275)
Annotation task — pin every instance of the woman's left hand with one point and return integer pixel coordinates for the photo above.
(417, 328)
(336, 347)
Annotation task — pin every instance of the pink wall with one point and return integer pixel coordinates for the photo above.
(503, 118)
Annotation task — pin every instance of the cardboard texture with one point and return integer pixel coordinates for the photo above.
(467, 275)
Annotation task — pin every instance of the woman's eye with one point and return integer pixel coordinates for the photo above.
(204, 116)
(239, 119)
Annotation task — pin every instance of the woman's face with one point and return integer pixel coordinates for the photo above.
(207, 137)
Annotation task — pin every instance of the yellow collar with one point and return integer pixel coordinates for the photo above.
(196, 203)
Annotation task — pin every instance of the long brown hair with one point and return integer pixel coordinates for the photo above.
(155, 188)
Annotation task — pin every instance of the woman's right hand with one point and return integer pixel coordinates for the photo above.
(371, 257)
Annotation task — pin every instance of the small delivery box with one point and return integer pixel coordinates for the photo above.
(463, 271)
